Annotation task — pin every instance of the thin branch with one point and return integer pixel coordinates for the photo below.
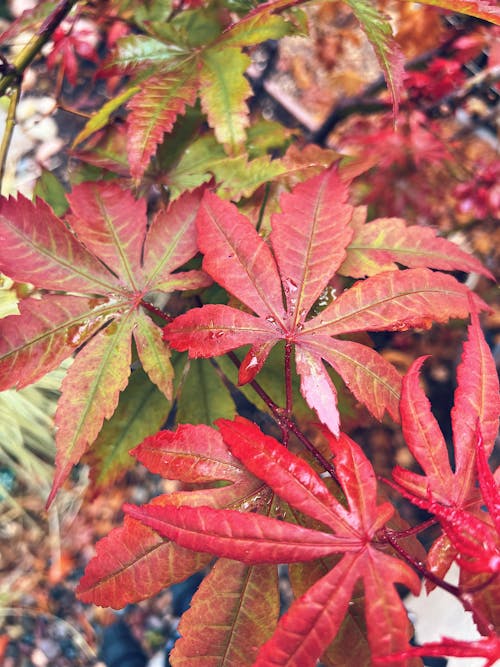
(463, 595)
(9, 129)
(419, 566)
(14, 71)
(414, 530)
(287, 423)
(288, 388)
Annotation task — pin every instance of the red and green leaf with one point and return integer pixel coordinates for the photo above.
(378, 29)
(142, 410)
(224, 91)
(133, 562)
(154, 110)
(247, 606)
(481, 9)
(101, 260)
(382, 244)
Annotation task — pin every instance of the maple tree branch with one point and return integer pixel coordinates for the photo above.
(414, 530)
(459, 592)
(10, 123)
(419, 566)
(14, 71)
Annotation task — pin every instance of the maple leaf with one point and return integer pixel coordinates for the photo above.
(482, 9)
(236, 176)
(109, 264)
(247, 607)
(452, 494)
(307, 629)
(477, 406)
(389, 55)
(133, 562)
(70, 41)
(309, 239)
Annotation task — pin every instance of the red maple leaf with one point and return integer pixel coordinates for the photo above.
(133, 562)
(471, 536)
(309, 240)
(311, 624)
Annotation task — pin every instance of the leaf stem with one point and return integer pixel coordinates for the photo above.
(288, 388)
(418, 566)
(156, 311)
(463, 595)
(286, 422)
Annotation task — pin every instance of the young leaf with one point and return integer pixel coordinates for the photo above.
(304, 261)
(185, 61)
(101, 261)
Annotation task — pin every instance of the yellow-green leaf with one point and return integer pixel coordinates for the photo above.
(224, 91)
(203, 396)
(153, 353)
(142, 410)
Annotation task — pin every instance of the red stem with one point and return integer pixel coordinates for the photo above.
(462, 595)
(288, 389)
(286, 422)
(420, 567)
(156, 311)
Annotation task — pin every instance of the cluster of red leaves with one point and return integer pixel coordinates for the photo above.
(276, 509)
(436, 81)
(70, 41)
(479, 197)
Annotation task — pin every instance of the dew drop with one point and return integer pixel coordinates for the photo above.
(252, 362)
